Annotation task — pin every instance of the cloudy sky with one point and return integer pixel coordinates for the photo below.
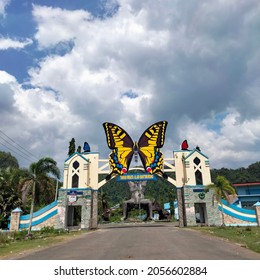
(68, 66)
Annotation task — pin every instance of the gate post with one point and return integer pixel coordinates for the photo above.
(94, 210)
(257, 210)
(15, 219)
(181, 180)
(181, 206)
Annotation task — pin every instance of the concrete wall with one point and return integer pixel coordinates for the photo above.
(196, 194)
(47, 216)
(236, 216)
(56, 214)
(84, 200)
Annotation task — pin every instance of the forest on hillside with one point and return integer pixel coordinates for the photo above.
(239, 175)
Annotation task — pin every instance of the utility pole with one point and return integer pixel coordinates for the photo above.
(56, 193)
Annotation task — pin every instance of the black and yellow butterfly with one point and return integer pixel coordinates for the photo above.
(123, 148)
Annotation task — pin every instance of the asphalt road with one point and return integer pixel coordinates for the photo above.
(154, 241)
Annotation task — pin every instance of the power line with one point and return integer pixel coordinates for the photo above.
(15, 152)
(16, 144)
(28, 156)
(25, 153)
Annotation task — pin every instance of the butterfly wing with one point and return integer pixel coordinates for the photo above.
(121, 145)
(149, 146)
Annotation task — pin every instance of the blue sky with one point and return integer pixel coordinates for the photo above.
(19, 24)
(68, 66)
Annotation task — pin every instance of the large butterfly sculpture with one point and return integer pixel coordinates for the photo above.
(123, 148)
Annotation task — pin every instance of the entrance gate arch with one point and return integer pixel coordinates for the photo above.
(190, 167)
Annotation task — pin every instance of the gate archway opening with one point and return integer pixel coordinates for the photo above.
(141, 192)
(191, 171)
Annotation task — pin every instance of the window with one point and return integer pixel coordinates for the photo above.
(75, 181)
(196, 160)
(198, 178)
(75, 164)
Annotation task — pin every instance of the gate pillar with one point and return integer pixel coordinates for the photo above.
(192, 175)
(80, 188)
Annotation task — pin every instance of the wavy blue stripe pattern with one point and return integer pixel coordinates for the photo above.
(43, 219)
(41, 211)
(242, 212)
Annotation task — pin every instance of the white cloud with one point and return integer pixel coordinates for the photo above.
(186, 62)
(236, 143)
(36, 119)
(8, 43)
(182, 60)
(3, 5)
(57, 25)
(6, 78)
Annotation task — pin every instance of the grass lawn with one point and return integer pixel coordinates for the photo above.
(11, 245)
(248, 237)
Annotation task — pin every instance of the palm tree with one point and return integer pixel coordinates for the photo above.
(39, 177)
(221, 188)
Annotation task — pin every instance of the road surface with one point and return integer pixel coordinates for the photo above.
(150, 241)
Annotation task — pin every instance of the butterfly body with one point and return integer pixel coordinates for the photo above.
(124, 148)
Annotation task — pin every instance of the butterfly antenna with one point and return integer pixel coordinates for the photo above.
(165, 176)
(108, 177)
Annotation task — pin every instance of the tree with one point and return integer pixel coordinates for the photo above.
(221, 188)
(239, 175)
(72, 147)
(10, 196)
(254, 171)
(39, 176)
(79, 149)
(7, 160)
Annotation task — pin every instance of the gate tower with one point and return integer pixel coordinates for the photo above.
(192, 172)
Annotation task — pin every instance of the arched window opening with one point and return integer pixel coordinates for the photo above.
(75, 181)
(198, 177)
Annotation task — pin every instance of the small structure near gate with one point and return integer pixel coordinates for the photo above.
(137, 190)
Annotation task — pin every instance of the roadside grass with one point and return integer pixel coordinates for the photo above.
(248, 237)
(15, 243)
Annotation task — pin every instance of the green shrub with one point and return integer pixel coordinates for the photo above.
(48, 229)
(4, 239)
(19, 235)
